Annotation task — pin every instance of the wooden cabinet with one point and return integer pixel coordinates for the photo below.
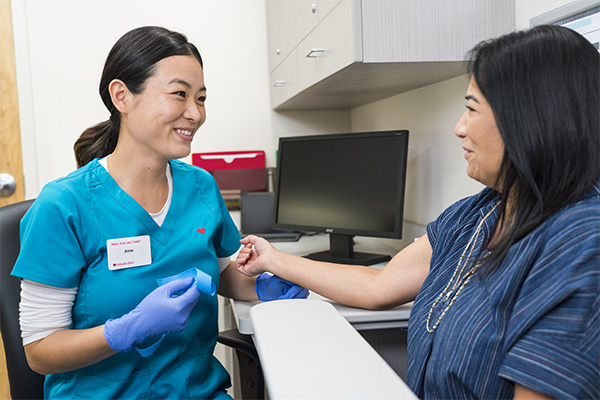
(346, 53)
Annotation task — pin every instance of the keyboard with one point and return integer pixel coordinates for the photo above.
(281, 236)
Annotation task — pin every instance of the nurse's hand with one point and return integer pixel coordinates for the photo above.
(271, 287)
(162, 311)
(257, 256)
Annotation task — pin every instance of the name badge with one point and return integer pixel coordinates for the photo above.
(128, 252)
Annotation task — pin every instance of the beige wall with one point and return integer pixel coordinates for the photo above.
(436, 168)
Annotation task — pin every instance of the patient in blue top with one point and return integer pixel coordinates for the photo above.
(505, 283)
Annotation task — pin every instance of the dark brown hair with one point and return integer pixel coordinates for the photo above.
(131, 60)
(543, 87)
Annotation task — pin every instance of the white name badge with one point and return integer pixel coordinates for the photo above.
(128, 252)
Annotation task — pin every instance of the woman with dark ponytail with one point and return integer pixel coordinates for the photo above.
(506, 283)
(121, 260)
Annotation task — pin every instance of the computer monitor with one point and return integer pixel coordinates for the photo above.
(346, 185)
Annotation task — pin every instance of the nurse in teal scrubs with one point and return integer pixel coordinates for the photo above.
(95, 242)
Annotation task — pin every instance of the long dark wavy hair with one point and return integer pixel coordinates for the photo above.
(132, 60)
(543, 86)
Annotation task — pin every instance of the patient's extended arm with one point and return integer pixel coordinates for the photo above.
(358, 286)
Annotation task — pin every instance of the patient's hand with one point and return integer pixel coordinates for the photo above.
(253, 257)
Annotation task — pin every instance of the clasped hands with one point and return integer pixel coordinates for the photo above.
(253, 259)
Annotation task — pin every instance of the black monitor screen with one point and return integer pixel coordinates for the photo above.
(343, 184)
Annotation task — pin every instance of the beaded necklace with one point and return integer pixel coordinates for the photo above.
(457, 280)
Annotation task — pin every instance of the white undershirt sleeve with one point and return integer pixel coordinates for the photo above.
(44, 309)
(224, 263)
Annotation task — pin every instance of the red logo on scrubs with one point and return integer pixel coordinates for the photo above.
(201, 230)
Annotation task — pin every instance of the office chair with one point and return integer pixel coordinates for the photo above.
(24, 383)
(251, 376)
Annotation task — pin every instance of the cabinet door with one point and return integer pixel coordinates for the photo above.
(309, 13)
(306, 17)
(291, 21)
(284, 81)
(281, 30)
(430, 30)
(328, 48)
(324, 7)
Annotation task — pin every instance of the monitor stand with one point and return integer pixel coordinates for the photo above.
(341, 251)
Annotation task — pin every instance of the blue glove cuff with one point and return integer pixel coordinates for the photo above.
(115, 333)
(271, 287)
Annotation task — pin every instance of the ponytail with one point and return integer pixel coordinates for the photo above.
(97, 141)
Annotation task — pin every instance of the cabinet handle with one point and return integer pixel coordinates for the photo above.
(313, 53)
(278, 83)
(314, 8)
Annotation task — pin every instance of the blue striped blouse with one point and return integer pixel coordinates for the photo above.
(534, 320)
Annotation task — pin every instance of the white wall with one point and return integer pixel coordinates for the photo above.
(436, 167)
(61, 46)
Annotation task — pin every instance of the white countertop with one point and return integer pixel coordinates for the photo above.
(396, 317)
(309, 351)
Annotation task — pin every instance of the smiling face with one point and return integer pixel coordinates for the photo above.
(481, 138)
(163, 118)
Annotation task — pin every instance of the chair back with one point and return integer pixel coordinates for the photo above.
(24, 383)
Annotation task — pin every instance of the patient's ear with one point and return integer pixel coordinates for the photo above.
(120, 95)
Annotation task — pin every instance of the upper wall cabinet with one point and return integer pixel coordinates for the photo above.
(346, 53)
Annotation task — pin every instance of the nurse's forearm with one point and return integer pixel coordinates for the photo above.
(237, 286)
(67, 350)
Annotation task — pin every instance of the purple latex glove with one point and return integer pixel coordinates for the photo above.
(160, 312)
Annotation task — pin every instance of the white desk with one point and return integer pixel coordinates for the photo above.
(309, 351)
(359, 318)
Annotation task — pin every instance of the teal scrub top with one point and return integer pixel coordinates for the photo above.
(64, 244)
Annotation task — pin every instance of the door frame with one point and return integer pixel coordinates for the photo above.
(10, 131)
